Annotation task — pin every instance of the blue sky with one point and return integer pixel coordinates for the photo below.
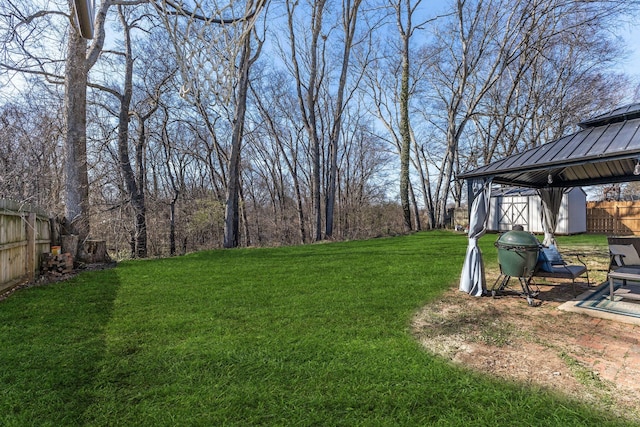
(632, 36)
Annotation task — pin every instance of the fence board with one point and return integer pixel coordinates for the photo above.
(24, 235)
(613, 218)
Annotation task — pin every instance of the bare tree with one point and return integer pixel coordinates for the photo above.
(490, 49)
(28, 56)
(280, 145)
(79, 61)
(307, 90)
(360, 189)
(349, 27)
(31, 155)
(393, 81)
(134, 182)
(404, 12)
(133, 173)
(231, 150)
(214, 45)
(247, 57)
(172, 170)
(559, 78)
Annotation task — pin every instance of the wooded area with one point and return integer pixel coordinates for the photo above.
(183, 126)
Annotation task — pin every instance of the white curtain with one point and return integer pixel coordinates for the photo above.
(473, 280)
(551, 202)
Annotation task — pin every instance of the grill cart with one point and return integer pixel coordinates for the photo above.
(517, 256)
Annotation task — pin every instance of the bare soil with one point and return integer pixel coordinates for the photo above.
(594, 360)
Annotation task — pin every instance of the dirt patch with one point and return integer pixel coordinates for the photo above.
(594, 360)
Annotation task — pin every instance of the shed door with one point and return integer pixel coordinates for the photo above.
(514, 211)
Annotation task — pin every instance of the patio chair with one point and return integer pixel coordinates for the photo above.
(624, 259)
(623, 252)
(551, 265)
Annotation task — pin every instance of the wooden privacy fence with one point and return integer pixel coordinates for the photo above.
(613, 218)
(25, 234)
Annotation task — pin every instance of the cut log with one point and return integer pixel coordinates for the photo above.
(56, 265)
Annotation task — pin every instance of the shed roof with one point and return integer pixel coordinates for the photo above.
(606, 150)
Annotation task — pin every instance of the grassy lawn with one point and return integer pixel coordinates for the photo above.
(312, 335)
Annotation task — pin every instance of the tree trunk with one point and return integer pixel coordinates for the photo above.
(135, 189)
(245, 219)
(138, 200)
(231, 214)
(141, 226)
(330, 199)
(299, 209)
(405, 127)
(414, 205)
(444, 183)
(308, 102)
(405, 135)
(172, 226)
(76, 175)
(425, 183)
(78, 63)
(350, 15)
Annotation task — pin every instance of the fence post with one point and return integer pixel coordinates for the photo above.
(30, 225)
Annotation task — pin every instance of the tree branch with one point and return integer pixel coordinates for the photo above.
(53, 78)
(105, 89)
(179, 10)
(40, 14)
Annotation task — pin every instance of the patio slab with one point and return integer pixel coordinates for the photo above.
(594, 302)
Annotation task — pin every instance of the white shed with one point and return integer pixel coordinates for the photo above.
(522, 206)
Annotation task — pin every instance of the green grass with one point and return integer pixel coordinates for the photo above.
(314, 335)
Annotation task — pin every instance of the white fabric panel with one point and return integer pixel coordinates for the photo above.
(551, 201)
(472, 280)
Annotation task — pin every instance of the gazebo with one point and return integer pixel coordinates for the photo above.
(605, 150)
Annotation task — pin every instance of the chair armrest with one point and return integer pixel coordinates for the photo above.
(615, 252)
(616, 257)
(578, 256)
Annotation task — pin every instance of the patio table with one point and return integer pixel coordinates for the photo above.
(624, 274)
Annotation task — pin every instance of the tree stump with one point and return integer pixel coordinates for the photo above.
(70, 244)
(95, 251)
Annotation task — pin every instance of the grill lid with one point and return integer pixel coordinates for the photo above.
(517, 239)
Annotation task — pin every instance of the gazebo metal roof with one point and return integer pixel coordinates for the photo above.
(606, 150)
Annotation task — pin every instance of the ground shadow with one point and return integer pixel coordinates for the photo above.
(53, 344)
